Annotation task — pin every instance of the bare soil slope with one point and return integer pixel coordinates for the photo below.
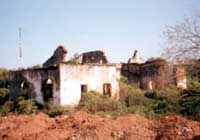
(84, 126)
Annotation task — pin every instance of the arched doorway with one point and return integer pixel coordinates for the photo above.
(26, 90)
(47, 90)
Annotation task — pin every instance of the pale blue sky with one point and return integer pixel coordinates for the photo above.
(117, 27)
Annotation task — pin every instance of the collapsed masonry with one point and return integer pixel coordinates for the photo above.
(62, 83)
(57, 57)
(93, 57)
(155, 73)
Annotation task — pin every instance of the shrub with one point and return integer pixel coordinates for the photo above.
(137, 109)
(94, 102)
(190, 107)
(59, 110)
(136, 97)
(147, 112)
(4, 95)
(4, 82)
(4, 111)
(3, 74)
(4, 85)
(26, 106)
(6, 108)
(193, 88)
(151, 95)
(124, 80)
(126, 89)
(169, 92)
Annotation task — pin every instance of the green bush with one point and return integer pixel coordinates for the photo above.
(4, 86)
(59, 110)
(126, 89)
(169, 92)
(6, 108)
(153, 103)
(147, 112)
(26, 106)
(4, 80)
(124, 80)
(136, 97)
(3, 74)
(151, 95)
(162, 107)
(190, 107)
(4, 95)
(94, 102)
(193, 88)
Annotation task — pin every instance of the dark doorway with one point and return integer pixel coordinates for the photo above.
(47, 90)
(84, 89)
(25, 90)
(107, 89)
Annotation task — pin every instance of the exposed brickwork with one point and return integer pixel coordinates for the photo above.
(150, 75)
(94, 57)
(57, 57)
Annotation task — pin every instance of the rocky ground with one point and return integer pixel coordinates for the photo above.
(84, 126)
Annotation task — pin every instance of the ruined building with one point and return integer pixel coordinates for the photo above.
(93, 57)
(155, 73)
(136, 58)
(149, 75)
(60, 83)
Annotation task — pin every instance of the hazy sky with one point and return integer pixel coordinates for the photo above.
(117, 27)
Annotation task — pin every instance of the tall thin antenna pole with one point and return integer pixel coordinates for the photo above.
(20, 49)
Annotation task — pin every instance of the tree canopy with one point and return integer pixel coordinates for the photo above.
(183, 40)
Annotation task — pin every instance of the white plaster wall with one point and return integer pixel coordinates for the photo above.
(56, 95)
(70, 93)
(94, 76)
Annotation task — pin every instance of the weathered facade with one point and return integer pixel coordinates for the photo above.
(64, 83)
(97, 57)
(36, 80)
(60, 83)
(76, 79)
(149, 75)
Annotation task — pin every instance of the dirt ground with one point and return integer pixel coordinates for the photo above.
(84, 126)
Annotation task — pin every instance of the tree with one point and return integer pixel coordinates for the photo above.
(183, 40)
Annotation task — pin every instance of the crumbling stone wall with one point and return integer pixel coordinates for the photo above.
(180, 75)
(155, 73)
(57, 57)
(150, 75)
(35, 77)
(132, 72)
(94, 57)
